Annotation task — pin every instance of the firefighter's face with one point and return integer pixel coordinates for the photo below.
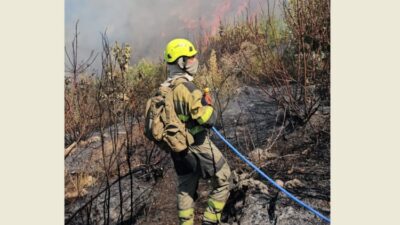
(191, 65)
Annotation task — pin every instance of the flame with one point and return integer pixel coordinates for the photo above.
(189, 23)
(211, 23)
(253, 15)
(219, 14)
(210, 28)
(207, 24)
(243, 5)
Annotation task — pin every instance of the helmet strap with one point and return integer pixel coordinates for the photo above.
(181, 63)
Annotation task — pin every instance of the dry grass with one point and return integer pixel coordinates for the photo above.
(294, 60)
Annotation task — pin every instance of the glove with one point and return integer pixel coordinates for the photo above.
(206, 100)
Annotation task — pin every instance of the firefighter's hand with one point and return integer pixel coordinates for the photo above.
(206, 100)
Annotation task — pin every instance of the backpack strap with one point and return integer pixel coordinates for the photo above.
(178, 81)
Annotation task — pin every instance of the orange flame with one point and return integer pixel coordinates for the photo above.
(243, 5)
(208, 25)
(219, 14)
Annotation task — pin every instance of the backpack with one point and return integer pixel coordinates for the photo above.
(162, 123)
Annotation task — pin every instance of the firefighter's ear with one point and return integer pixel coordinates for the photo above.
(181, 63)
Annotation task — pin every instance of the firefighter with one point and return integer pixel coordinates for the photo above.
(202, 159)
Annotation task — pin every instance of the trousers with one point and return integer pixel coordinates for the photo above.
(201, 160)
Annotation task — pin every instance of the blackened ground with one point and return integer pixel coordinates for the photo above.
(300, 160)
(301, 163)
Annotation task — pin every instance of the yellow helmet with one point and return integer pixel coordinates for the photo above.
(177, 48)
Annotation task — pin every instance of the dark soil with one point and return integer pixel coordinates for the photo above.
(299, 159)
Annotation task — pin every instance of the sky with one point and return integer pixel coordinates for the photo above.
(148, 25)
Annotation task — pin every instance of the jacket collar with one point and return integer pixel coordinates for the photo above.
(177, 79)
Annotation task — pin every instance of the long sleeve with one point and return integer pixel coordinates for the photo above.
(188, 104)
(203, 114)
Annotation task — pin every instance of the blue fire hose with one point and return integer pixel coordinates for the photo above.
(326, 219)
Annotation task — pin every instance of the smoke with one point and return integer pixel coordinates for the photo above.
(148, 25)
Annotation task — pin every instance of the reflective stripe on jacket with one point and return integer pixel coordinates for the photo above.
(189, 108)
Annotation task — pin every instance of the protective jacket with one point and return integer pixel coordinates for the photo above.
(189, 106)
(202, 159)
